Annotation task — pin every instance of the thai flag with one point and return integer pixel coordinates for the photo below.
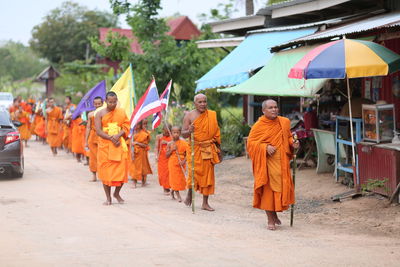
(164, 99)
(148, 104)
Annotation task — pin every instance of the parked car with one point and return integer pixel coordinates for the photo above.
(11, 148)
(6, 99)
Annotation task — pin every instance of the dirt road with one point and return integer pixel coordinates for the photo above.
(54, 217)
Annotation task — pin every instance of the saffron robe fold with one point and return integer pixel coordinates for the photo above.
(53, 126)
(206, 138)
(140, 164)
(24, 130)
(177, 179)
(273, 186)
(163, 172)
(92, 144)
(112, 161)
(78, 135)
(40, 127)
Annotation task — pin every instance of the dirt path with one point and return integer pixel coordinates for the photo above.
(54, 217)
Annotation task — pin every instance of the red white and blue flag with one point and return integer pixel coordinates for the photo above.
(148, 104)
(164, 99)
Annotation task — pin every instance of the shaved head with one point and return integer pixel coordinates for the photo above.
(199, 96)
(200, 102)
(268, 101)
(270, 109)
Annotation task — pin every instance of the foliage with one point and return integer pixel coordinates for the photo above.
(63, 34)
(162, 56)
(116, 47)
(272, 2)
(373, 184)
(78, 77)
(19, 62)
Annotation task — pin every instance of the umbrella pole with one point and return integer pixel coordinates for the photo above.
(353, 160)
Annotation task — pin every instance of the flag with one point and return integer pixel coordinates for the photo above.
(148, 104)
(125, 91)
(164, 99)
(86, 103)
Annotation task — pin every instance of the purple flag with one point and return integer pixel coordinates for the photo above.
(86, 103)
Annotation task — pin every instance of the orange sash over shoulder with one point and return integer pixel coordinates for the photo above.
(206, 138)
(177, 179)
(140, 164)
(53, 126)
(273, 187)
(163, 171)
(112, 161)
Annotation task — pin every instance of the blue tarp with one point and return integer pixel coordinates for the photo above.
(252, 53)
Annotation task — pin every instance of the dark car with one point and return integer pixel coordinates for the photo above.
(11, 149)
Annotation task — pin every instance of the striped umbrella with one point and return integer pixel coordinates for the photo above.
(344, 59)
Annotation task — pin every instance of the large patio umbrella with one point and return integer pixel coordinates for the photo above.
(344, 59)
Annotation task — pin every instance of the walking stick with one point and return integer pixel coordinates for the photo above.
(294, 166)
(192, 150)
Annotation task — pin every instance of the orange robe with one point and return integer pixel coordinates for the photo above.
(112, 161)
(140, 164)
(67, 126)
(92, 143)
(53, 126)
(34, 123)
(177, 179)
(78, 132)
(163, 174)
(273, 187)
(206, 138)
(40, 127)
(24, 130)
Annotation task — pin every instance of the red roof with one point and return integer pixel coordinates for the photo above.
(181, 28)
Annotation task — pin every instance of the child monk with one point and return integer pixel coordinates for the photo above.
(176, 153)
(140, 167)
(23, 117)
(161, 158)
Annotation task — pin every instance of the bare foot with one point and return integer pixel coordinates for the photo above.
(166, 192)
(271, 226)
(276, 219)
(144, 184)
(207, 207)
(179, 199)
(107, 203)
(93, 180)
(134, 184)
(119, 199)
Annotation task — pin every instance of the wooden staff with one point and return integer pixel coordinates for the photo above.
(294, 166)
(192, 168)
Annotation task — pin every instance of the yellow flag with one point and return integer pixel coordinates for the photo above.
(125, 91)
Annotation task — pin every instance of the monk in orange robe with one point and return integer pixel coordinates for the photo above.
(162, 141)
(91, 139)
(24, 131)
(78, 134)
(270, 146)
(54, 118)
(140, 165)
(176, 153)
(112, 127)
(203, 123)
(40, 127)
(67, 125)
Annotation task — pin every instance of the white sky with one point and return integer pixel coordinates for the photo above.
(18, 17)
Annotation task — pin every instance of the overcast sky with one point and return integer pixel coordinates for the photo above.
(18, 17)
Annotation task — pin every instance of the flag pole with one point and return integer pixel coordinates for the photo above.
(133, 86)
(192, 168)
(294, 166)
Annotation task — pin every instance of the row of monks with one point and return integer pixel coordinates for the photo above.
(54, 125)
(103, 137)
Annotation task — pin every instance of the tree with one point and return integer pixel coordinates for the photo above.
(19, 62)
(163, 57)
(63, 34)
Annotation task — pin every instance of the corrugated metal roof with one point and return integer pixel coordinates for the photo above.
(375, 22)
(311, 24)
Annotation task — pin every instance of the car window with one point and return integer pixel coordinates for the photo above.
(5, 97)
(4, 118)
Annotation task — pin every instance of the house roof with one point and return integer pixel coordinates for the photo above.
(48, 73)
(181, 28)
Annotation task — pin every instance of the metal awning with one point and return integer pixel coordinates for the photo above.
(250, 55)
(223, 42)
(386, 20)
(272, 80)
